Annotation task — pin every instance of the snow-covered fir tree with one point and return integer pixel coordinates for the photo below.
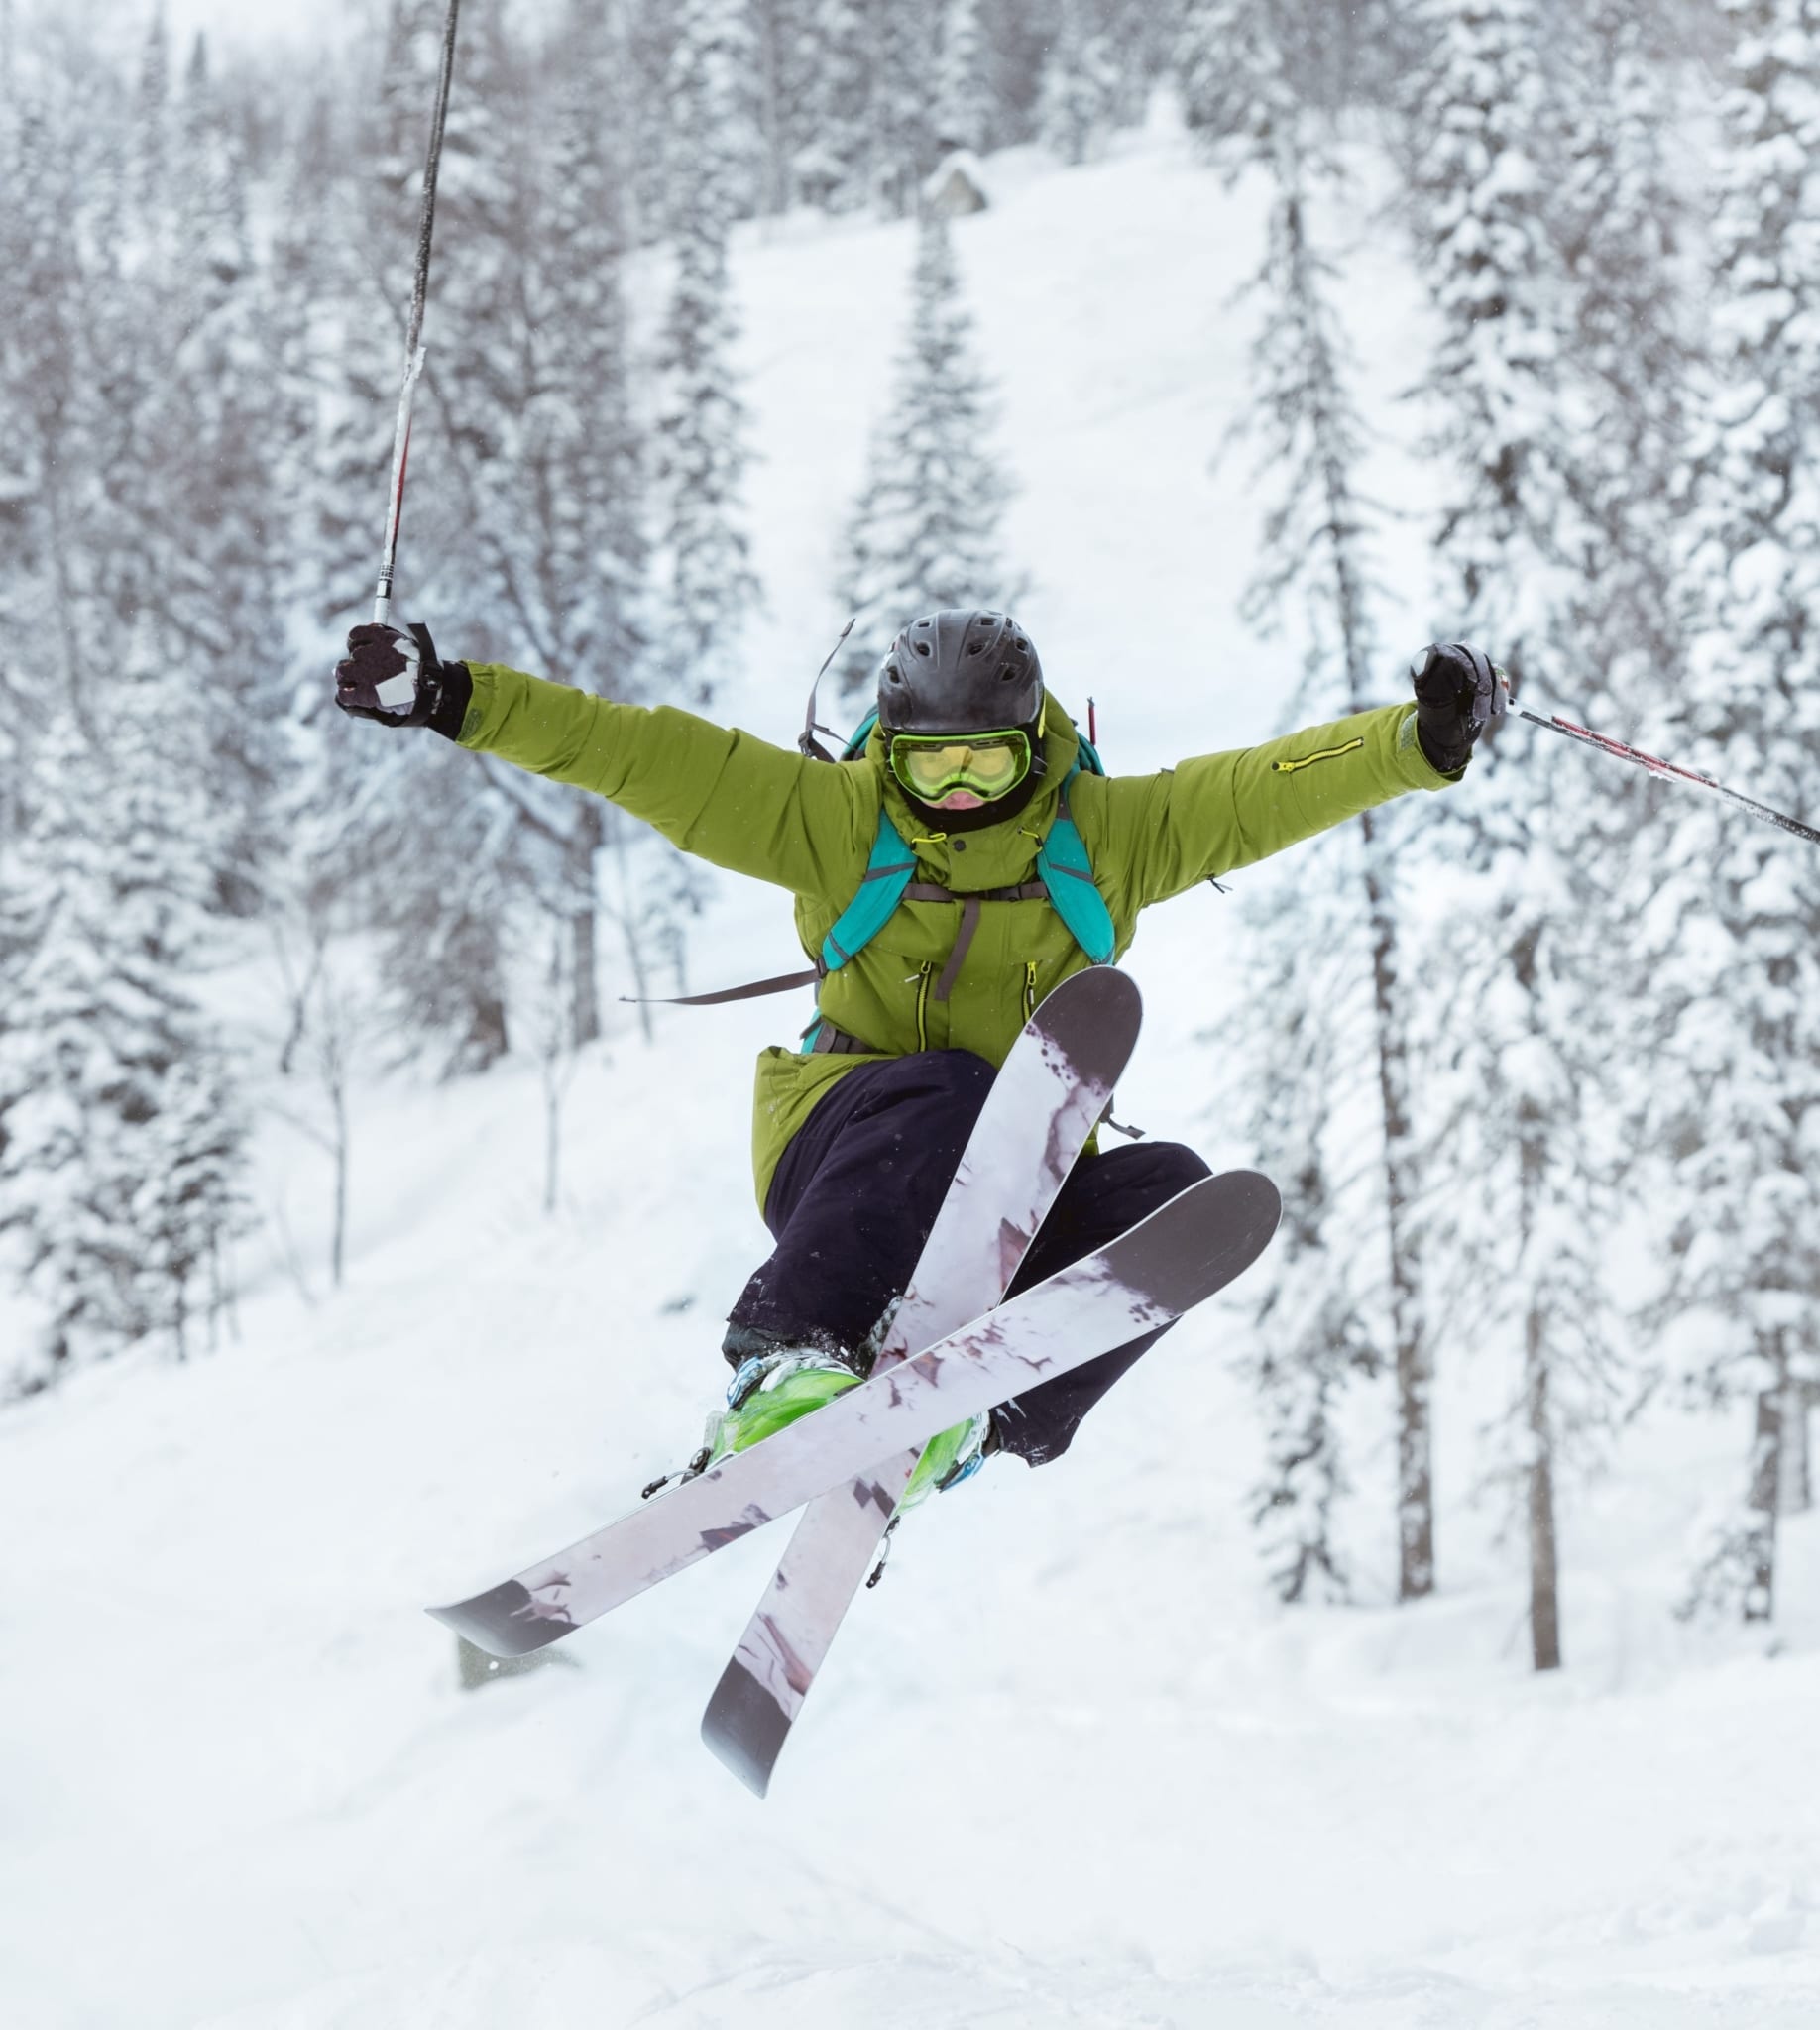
(558, 485)
(962, 87)
(833, 167)
(708, 584)
(908, 37)
(1526, 1156)
(1327, 932)
(218, 421)
(424, 815)
(1080, 85)
(1748, 1143)
(785, 57)
(925, 533)
(876, 100)
(123, 1150)
(1227, 51)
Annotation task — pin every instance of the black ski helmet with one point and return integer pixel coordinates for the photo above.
(961, 670)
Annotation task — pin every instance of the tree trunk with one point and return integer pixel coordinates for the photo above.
(552, 1135)
(630, 928)
(1795, 1491)
(339, 1236)
(1764, 1500)
(1545, 1570)
(584, 972)
(1414, 1380)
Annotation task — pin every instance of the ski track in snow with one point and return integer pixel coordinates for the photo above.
(1064, 1768)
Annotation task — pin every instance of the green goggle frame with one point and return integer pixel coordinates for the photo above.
(930, 766)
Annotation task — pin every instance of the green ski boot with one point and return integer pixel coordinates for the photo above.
(771, 1390)
(949, 1458)
(779, 1383)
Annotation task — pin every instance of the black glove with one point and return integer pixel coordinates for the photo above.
(1459, 693)
(392, 675)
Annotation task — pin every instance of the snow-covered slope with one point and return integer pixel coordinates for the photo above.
(1067, 1766)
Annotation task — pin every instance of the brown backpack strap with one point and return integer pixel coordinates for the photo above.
(782, 984)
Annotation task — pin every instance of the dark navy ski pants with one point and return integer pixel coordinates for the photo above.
(858, 1188)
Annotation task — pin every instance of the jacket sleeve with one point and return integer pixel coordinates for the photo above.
(1225, 810)
(722, 795)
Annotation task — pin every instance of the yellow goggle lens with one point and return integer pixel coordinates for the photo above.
(931, 770)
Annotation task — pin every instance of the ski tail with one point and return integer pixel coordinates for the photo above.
(1144, 1279)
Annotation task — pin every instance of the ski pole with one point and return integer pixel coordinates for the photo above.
(413, 346)
(1555, 723)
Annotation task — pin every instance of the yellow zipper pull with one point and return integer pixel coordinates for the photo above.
(1351, 746)
(1030, 978)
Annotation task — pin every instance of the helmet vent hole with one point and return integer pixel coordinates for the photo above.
(923, 649)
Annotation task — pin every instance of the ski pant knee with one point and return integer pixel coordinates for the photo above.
(856, 1193)
(1104, 1195)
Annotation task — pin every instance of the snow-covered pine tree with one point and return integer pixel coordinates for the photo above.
(1331, 947)
(1080, 85)
(1221, 48)
(785, 57)
(908, 37)
(875, 104)
(962, 87)
(40, 390)
(709, 587)
(834, 166)
(120, 1171)
(925, 533)
(1136, 38)
(1526, 1158)
(215, 417)
(550, 463)
(1747, 1237)
(428, 850)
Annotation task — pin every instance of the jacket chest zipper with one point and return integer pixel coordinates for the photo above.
(1030, 977)
(924, 978)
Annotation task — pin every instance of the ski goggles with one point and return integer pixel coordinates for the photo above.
(930, 766)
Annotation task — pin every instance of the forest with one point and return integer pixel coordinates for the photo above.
(1544, 1085)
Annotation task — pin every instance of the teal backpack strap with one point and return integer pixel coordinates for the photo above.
(887, 875)
(1068, 875)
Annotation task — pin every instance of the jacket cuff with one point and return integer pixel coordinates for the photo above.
(1427, 773)
(452, 697)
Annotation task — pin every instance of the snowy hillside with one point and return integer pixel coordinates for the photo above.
(1068, 1765)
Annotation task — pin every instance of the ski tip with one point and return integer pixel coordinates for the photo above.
(505, 1621)
(1205, 1238)
(745, 1729)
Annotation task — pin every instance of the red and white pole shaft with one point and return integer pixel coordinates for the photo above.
(1669, 770)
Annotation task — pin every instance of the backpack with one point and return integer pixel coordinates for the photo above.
(1063, 871)
(1064, 878)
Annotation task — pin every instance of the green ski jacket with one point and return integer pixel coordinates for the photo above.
(810, 827)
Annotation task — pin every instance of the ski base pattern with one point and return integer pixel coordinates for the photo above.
(1149, 1276)
(1222, 1223)
(1053, 1089)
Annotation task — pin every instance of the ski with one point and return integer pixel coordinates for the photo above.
(1048, 1096)
(1146, 1278)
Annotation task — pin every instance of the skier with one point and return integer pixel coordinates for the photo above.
(973, 769)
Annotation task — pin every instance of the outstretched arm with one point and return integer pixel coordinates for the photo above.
(719, 793)
(1225, 810)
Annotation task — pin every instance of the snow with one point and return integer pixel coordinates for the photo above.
(1066, 1766)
